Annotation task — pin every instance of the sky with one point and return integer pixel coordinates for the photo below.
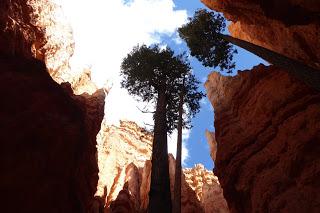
(105, 31)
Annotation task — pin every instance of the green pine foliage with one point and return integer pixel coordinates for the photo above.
(202, 35)
(148, 71)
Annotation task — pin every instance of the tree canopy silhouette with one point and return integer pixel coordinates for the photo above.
(157, 75)
(202, 35)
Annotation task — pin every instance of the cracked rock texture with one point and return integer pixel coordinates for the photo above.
(267, 127)
(289, 27)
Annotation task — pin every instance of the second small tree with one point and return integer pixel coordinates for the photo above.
(157, 75)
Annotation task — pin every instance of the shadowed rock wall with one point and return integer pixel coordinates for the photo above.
(48, 141)
(267, 127)
(48, 135)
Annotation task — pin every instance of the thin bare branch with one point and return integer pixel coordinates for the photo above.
(145, 111)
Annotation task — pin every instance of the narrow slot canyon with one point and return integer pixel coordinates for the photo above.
(60, 152)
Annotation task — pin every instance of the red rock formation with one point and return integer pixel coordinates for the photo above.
(289, 27)
(48, 134)
(123, 203)
(48, 141)
(17, 33)
(268, 131)
(128, 199)
(190, 202)
(39, 29)
(207, 189)
(211, 139)
(139, 184)
(145, 185)
(118, 147)
(125, 169)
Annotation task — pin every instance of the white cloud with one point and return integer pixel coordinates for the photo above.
(105, 31)
(203, 101)
(177, 39)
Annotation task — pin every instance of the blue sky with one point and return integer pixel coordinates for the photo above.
(197, 143)
(135, 22)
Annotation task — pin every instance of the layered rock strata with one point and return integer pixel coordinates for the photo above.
(267, 131)
(289, 27)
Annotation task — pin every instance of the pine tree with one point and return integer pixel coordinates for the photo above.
(155, 75)
(203, 35)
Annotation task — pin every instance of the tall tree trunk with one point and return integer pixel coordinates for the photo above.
(159, 195)
(177, 178)
(308, 75)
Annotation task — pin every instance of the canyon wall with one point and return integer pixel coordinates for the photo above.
(48, 145)
(267, 127)
(48, 140)
(38, 29)
(267, 122)
(289, 27)
(207, 189)
(118, 147)
(124, 155)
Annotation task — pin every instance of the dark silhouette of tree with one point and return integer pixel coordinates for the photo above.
(177, 177)
(155, 75)
(203, 35)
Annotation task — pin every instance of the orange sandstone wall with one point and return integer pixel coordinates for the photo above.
(48, 135)
(268, 131)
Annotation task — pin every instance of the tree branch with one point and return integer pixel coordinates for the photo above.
(144, 111)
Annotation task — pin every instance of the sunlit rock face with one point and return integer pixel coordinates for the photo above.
(117, 148)
(18, 33)
(290, 27)
(39, 29)
(48, 146)
(207, 189)
(211, 140)
(190, 202)
(267, 127)
(125, 168)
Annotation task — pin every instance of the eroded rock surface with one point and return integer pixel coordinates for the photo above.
(125, 168)
(207, 189)
(39, 29)
(118, 147)
(268, 131)
(48, 146)
(190, 202)
(289, 27)
(211, 140)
